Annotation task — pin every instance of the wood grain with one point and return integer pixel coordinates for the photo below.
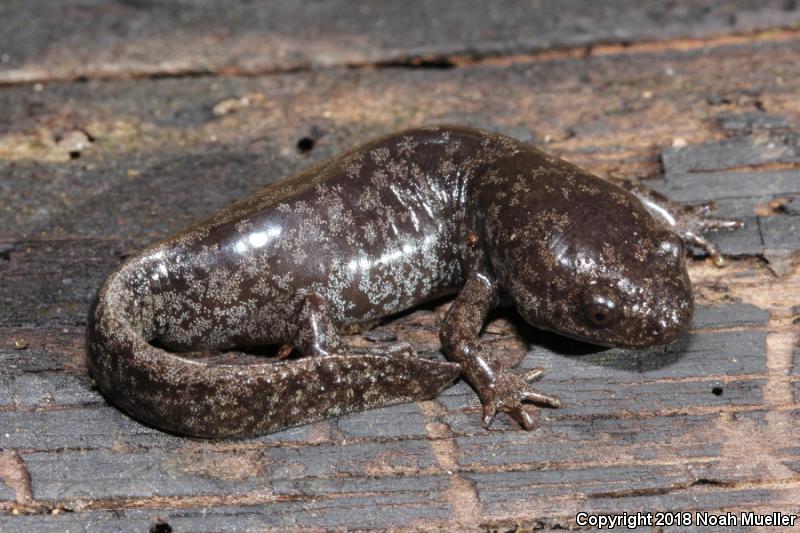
(79, 39)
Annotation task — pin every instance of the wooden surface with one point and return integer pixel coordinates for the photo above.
(121, 122)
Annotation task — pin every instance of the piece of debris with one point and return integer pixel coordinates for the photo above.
(786, 206)
(231, 105)
(679, 142)
(778, 261)
(285, 351)
(20, 344)
(73, 143)
(380, 335)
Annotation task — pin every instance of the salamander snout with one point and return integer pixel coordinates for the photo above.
(669, 312)
(664, 331)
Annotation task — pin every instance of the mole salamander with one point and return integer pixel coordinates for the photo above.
(386, 226)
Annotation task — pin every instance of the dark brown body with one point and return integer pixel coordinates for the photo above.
(382, 228)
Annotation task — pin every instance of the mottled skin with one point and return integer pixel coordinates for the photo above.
(384, 227)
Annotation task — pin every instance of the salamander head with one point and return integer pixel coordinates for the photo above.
(598, 268)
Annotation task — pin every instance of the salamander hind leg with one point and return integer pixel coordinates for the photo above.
(317, 333)
(396, 374)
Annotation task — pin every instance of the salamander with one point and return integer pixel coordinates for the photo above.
(384, 227)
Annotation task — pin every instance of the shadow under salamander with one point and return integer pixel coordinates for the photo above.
(638, 361)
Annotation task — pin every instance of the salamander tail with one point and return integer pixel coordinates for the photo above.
(185, 395)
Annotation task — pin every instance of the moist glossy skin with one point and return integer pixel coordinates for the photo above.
(382, 228)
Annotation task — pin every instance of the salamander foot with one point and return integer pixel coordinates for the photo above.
(512, 394)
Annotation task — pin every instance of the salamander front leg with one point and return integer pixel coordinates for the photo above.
(498, 389)
(688, 221)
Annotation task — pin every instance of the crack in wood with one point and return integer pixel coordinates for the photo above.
(768, 166)
(698, 482)
(450, 60)
(461, 494)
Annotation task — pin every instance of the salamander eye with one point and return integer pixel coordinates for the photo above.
(601, 309)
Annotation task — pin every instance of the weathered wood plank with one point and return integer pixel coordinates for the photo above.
(697, 173)
(79, 428)
(140, 131)
(53, 282)
(100, 426)
(706, 499)
(100, 38)
(102, 522)
(142, 474)
(34, 390)
(91, 171)
(729, 316)
(32, 359)
(399, 421)
(741, 151)
(781, 232)
(339, 513)
(796, 361)
(342, 469)
(608, 440)
(6, 493)
(587, 401)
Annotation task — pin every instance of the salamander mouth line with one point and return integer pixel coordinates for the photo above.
(642, 347)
